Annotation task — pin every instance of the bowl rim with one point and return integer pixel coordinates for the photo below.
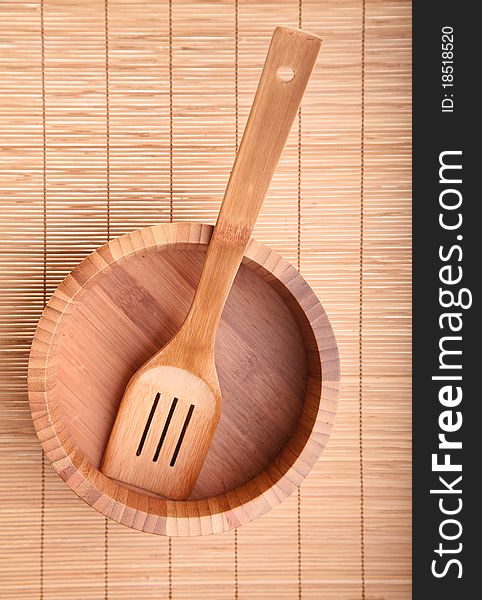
(158, 515)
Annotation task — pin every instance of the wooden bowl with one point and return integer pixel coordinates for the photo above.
(276, 357)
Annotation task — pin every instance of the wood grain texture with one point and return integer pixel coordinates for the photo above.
(207, 102)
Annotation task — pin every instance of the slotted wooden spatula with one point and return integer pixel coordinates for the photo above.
(171, 406)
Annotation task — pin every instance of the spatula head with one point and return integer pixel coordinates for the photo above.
(163, 430)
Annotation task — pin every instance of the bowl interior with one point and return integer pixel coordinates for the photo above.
(260, 358)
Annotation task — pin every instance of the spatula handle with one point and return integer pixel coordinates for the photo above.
(289, 63)
(292, 53)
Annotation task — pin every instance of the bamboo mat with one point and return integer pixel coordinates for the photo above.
(118, 114)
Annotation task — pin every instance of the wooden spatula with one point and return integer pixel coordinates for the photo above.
(171, 406)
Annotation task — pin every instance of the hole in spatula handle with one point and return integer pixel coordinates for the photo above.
(285, 73)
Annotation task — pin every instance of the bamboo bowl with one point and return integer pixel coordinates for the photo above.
(277, 363)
